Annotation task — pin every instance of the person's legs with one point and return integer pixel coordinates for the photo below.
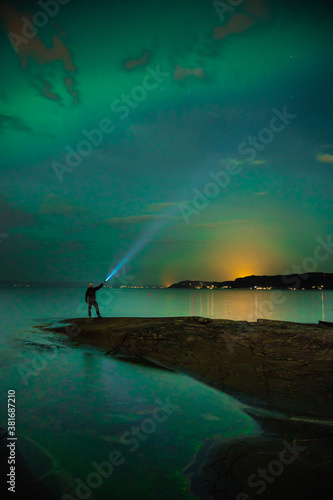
(97, 309)
(89, 309)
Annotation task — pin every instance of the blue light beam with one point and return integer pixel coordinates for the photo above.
(140, 244)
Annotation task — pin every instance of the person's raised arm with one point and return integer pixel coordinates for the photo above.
(100, 286)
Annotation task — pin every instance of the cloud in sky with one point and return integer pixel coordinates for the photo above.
(325, 158)
(135, 219)
(182, 73)
(158, 207)
(11, 123)
(176, 241)
(236, 24)
(257, 162)
(13, 217)
(34, 51)
(214, 225)
(53, 204)
(236, 161)
(141, 61)
(239, 21)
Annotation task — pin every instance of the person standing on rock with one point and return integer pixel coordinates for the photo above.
(91, 298)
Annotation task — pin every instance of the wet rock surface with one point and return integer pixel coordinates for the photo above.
(269, 365)
(282, 365)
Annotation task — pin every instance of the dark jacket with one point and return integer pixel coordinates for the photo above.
(90, 293)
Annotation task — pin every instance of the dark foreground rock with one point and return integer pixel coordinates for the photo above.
(270, 365)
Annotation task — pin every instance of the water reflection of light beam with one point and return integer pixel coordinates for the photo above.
(323, 305)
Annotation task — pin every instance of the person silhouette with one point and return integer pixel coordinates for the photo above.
(91, 298)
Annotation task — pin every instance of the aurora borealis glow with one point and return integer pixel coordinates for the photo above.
(174, 89)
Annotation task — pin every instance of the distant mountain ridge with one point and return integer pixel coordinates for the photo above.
(308, 281)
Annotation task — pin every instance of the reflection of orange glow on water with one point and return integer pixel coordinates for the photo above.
(237, 305)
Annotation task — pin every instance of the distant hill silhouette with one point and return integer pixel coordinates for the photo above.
(309, 281)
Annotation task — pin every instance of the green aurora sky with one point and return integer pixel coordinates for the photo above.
(223, 75)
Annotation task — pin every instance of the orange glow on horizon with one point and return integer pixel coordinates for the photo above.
(242, 273)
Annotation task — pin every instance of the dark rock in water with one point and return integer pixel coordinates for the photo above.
(325, 323)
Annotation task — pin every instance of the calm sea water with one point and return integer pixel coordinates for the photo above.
(75, 406)
(246, 305)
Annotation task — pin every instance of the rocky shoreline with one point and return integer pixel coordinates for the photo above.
(282, 370)
(282, 365)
